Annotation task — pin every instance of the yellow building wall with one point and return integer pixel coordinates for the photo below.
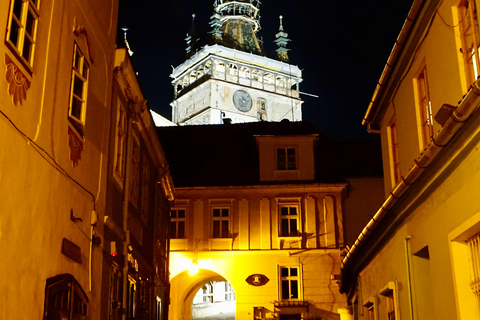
(255, 247)
(40, 187)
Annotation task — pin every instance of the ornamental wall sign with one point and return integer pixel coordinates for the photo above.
(18, 84)
(257, 279)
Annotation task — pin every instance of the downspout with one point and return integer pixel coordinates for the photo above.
(456, 120)
(409, 277)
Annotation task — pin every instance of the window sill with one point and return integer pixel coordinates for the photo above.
(178, 244)
(25, 67)
(220, 244)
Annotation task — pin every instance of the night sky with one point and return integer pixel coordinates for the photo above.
(341, 46)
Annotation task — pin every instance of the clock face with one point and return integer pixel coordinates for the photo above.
(242, 100)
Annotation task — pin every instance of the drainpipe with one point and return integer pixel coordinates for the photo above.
(409, 276)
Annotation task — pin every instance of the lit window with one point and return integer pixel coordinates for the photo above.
(22, 28)
(424, 107)
(289, 220)
(64, 299)
(177, 223)
(289, 283)
(120, 142)
(286, 159)
(389, 292)
(78, 91)
(393, 152)
(470, 34)
(220, 222)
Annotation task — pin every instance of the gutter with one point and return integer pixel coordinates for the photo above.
(391, 63)
(454, 123)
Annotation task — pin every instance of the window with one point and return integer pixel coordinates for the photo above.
(389, 292)
(115, 297)
(286, 159)
(289, 283)
(370, 308)
(177, 223)
(393, 152)
(78, 91)
(221, 222)
(469, 30)
(134, 170)
(474, 255)
(131, 298)
(22, 28)
(120, 142)
(289, 224)
(425, 116)
(64, 299)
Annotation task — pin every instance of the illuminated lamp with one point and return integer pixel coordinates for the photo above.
(193, 268)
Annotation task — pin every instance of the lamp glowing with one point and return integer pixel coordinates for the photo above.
(193, 268)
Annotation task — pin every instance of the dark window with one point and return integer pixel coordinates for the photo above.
(221, 223)
(64, 299)
(288, 221)
(177, 224)
(286, 159)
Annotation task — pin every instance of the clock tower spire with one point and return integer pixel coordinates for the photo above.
(232, 78)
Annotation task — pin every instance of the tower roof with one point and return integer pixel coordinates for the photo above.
(235, 24)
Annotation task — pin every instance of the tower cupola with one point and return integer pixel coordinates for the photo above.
(235, 24)
(281, 41)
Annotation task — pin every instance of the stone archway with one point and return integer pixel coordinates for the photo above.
(185, 297)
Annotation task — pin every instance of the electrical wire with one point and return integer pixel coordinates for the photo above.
(48, 158)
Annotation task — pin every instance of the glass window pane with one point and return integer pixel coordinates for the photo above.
(173, 213)
(293, 227)
(173, 230)
(284, 227)
(224, 212)
(284, 272)
(76, 108)
(284, 211)
(216, 212)
(78, 87)
(216, 229)
(14, 33)
(281, 160)
(27, 45)
(77, 60)
(17, 8)
(30, 23)
(181, 229)
(85, 70)
(285, 289)
(181, 213)
(291, 159)
(293, 211)
(293, 272)
(225, 229)
(294, 289)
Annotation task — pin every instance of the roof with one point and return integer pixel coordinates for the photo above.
(227, 155)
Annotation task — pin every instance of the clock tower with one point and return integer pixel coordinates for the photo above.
(232, 78)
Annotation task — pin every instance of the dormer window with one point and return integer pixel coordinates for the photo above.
(286, 159)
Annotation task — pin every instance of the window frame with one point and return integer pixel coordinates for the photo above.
(74, 291)
(289, 203)
(423, 107)
(393, 152)
(371, 308)
(221, 219)
(287, 161)
(176, 221)
(80, 66)
(389, 292)
(471, 58)
(28, 8)
(289, 279)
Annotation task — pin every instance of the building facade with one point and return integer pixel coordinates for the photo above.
(139, 195)
(259, 207)
(54, 128)
(232, 78)
(418, 258)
